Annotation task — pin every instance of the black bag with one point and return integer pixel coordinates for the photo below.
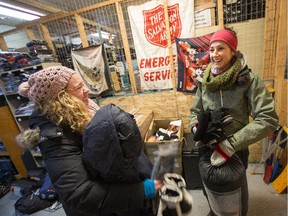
(30, 203)
(26, 185)
(47, 190)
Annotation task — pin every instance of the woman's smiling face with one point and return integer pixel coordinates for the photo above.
(220, 55)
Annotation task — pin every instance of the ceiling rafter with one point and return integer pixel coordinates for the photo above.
(39, 5)
(56, 14)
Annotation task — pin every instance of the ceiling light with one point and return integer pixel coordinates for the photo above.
(18, 12)
(104, 35)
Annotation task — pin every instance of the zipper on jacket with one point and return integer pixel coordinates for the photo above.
(221, 98)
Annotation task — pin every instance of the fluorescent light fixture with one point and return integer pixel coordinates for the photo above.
(104, 35)
(18, 12)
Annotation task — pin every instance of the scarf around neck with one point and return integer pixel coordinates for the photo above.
(224, 80)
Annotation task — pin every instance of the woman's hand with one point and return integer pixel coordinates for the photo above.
(158, 184)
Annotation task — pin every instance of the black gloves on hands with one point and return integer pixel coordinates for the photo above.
(214, 122)
(201, 126)
(210, 126)
(220, 118)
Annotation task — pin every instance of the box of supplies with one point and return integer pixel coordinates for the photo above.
(164, 139)
(143, 120)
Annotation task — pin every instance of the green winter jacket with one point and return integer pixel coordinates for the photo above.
(245, 100)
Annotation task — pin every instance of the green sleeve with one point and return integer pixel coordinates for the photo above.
(196, 107)
(264, 118)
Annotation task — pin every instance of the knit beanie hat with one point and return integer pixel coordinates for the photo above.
(227, 37)
(45, 84)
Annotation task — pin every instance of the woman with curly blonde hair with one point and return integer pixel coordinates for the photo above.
(62, 112)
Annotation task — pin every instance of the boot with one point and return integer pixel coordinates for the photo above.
(170, 198)
(178, 180)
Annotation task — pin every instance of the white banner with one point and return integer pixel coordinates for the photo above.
(150, 38)
(89, 63)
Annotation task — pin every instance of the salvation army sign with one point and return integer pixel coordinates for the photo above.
(155, 27)
(150, 39)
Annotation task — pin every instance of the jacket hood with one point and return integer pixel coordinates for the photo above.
(244, 60)
(28, 139)
(38, 120)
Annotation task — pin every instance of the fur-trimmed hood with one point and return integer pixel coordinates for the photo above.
(28, 139)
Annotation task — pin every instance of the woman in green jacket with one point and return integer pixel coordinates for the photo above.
(230, 90)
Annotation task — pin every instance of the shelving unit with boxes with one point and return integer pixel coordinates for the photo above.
(15, 112)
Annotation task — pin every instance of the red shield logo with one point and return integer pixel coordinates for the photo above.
(155, 28)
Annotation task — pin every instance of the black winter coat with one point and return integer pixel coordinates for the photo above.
(79, 193)
(113, 147)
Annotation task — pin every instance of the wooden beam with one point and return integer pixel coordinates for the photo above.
(63, 14)
(8, 131)
(81, 30)
(30, 34)
(280, 63)
(42, 6)
(3, 44)
(95, 6)
(270, 31)
(220, 13)
(92, 23)
(55, 10)
(9, 32)
(126, 46)
(46, 36)
(167, 25)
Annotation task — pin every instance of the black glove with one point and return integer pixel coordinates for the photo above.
(201, 126)
(220, 118)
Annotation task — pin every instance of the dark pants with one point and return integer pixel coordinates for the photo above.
(137, 212)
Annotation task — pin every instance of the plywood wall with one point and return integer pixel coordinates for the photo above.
(167, 104)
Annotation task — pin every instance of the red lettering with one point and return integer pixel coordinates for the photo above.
(141, 64)
(161, 61)
(146, 76)
(165, 75)
(151, 76)
(148, 63)
(155, 61)
(174, 59)
(158, 76)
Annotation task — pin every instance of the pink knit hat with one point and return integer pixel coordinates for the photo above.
(226, 36)
(45, 84)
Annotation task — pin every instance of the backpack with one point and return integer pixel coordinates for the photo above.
(24, 186)
(30, 203)
(47, 190)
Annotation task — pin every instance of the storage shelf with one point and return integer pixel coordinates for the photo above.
(4, 153)
(23, 69)
(16, 114)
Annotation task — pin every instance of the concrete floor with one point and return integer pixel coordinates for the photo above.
(263, 201)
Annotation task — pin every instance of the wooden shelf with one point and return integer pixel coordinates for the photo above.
(13, 124)
(8, 132)
(4, 153)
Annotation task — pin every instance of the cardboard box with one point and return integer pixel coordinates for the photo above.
(203, 2)
(152, 148)
(205, 17)
(143, 120)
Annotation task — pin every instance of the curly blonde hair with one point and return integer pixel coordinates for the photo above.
(67, 109)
